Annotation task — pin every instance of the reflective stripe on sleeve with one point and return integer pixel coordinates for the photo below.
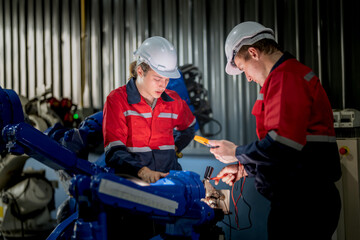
(113, 144)
(167, 147)
(285, 141)
(139, 149)
(309, 76)
(192, 123)
(320, 138)
(134, 113)
(168, 115)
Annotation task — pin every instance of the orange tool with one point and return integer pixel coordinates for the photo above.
(218, 178)
(204, 141)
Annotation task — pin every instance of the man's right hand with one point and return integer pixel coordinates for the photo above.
(150, 176)
(231, 174)
(224, 150)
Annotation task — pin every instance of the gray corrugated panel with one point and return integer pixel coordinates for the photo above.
(56, 49)
(95, 36)
(75, 50)
(47, 44)
(185, 33)
(156, 18)
(170, 22)
(319, 38)
(22, 49)
(119, 50)
(198, 36)
(142, 21)
(39, 47)
(15, 46)
(31, 50)
(130, 35)
(342, 53)
(87, 96)
(217, 84)
(2, 46)
(66, 49)
(8, 45)
(107, 48)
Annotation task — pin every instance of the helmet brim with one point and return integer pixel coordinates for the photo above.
(168, 74)
(231, 70)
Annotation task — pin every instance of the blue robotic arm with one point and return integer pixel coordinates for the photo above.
(176, 200)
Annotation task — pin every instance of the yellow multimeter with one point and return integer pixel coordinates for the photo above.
(204, 141)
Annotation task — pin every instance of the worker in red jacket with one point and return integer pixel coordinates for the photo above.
(142, 117)
(295, 162)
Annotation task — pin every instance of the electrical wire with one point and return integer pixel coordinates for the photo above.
(18, 214)
(242, 183)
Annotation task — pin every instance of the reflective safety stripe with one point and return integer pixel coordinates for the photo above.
(285, 141)
(298, 146)
(139, 149)
(193, 123)
(167, 147)
(113, 144)
(309, 76)
(168, 115)
(134, 113)
(320, 138)
(260, 96)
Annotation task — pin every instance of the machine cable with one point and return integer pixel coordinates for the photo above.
(18, 213)
(241, 183)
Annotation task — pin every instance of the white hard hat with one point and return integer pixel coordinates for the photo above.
(160, 55)
(246, 33)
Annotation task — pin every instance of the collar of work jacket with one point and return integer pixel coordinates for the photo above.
(282, 59)
(134, 97)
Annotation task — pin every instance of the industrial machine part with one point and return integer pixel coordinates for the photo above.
(26, 197)
(26, 207)
(38, 106)
(217, 199)
(199, 103)
(346, 118)
(349, 118)
(174, 203)
(349, 188)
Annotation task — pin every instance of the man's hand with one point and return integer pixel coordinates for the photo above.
(150, 176)
(231, 174)
(224, 151)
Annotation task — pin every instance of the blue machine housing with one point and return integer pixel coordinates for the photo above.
(175, 200)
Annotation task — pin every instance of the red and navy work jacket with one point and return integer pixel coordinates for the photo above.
(135, 135)
(294, 123)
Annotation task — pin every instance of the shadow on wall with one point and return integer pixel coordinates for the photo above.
(259, 205)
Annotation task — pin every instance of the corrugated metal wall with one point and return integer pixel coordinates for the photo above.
(40, 47)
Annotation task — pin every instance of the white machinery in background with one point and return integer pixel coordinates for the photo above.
(26, 200)
(27, 196)
(347, 128)
(346, 118)
(349, 188)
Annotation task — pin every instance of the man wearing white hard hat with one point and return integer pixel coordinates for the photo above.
(140, 117)
(295, 162)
